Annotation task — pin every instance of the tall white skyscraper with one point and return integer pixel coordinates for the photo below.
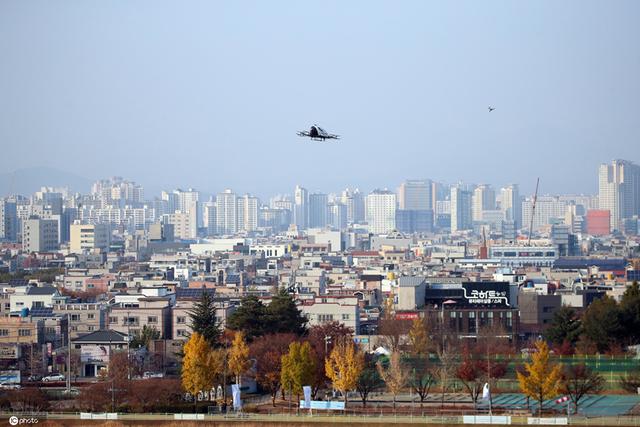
(318, 210)
(484, 199)
(619, 190)
(381, 211)
(460, 209)
(301, 208)
(511, 204)
(247, 213)
(415, 195)
(226, 212)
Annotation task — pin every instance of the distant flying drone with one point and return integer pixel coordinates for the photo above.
(316, 133)
(491, 108)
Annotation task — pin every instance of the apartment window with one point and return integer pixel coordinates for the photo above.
(181, 320)
(24, 332)
(345, 317)
(49, 330)
(152, 319)
(130, 321)
(7, 306)
(181, 333)
(38, 304)
(472, 322)
(4, 332)
(91, 328)
(75, 317)
(113, 319)
(91, 316)
(325, 317)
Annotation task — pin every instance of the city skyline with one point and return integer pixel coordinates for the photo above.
(206, 94)
(8, 185)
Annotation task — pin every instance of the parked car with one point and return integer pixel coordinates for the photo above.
(34, 378)
(9, 386)
(149, 374)
(53, 377)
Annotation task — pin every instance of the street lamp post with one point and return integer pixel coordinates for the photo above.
(327, 340)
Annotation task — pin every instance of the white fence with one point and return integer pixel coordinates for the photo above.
(98, 416)
(548, 421)
(192, 417)
(486, 419)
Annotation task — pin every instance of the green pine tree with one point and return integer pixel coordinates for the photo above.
(284, 316)
(250, 318)
(565, 326)
(203, 319)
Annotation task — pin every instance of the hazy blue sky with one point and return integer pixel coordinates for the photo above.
(210, 94)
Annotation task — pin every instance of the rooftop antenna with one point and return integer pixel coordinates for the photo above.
(533, 211)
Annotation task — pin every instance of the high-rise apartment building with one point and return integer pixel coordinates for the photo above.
(511, 204)
(548, 209)
(619, 191)
(484, 199)
(415, 195)
(318, 210)
(226, 212)
(40, 235)
(338, 216)
(381, 211)
(354, 201)
(171, 200)
(8, 220)
(87, 237)
(301, 208)
(210, 218)
(247, 213)
(460, 209)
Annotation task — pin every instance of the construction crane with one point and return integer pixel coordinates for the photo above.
(533, 211)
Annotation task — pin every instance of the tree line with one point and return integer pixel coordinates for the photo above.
(606, 326)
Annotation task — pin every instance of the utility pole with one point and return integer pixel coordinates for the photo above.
(533, 211)
(68, 353)
(113, 390)
(128, 346)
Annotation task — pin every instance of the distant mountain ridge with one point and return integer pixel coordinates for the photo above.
(29, 180)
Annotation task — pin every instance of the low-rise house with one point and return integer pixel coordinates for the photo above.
(328, 308)
(132, 313)
(34, 297)
(84, 318)
(21, 330)
(96, 348)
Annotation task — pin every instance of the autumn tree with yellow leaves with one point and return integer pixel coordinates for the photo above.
(419, 337)
(297, 368)
(239, 362)
(199, 366)
(343, 366)
(541, 378)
